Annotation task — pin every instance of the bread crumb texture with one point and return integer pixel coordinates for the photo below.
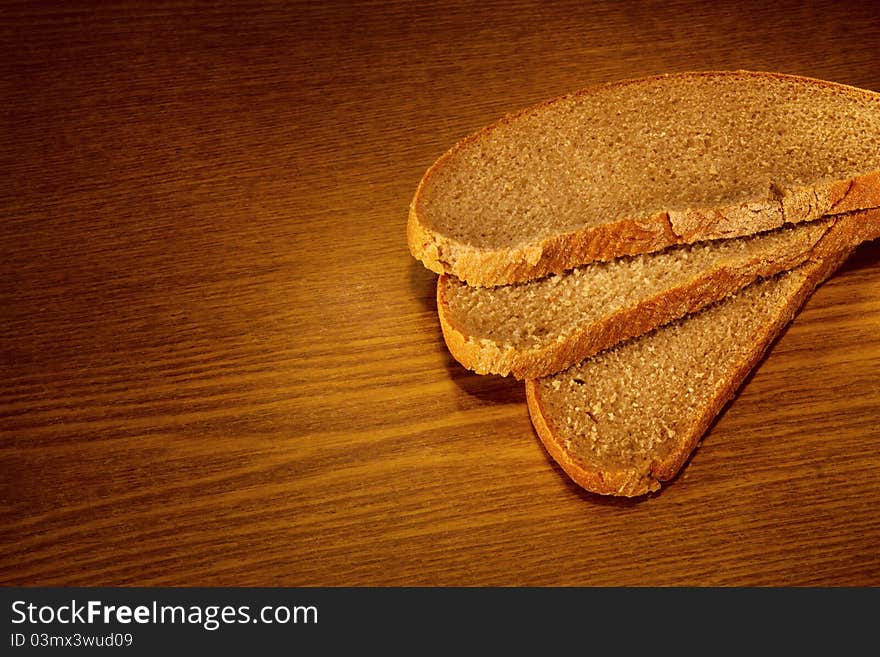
(634, 404)
(627, 150)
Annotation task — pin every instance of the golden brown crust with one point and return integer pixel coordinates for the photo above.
(489, 357)
(633, 482)
(862, 192)
(480, 266)
(484, 267)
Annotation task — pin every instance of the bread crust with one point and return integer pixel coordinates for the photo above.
(634, 482)
(481, 266)
(489, 357)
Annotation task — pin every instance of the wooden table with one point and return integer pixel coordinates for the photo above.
(221, 365)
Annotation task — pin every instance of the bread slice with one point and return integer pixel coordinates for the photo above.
(640, 165)
(536, 328)
(628, 418)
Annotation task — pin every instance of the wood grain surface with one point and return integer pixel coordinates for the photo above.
(221, 366)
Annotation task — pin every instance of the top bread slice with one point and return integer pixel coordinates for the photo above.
(636, 166)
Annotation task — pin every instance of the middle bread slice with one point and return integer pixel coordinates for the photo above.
(534, 329)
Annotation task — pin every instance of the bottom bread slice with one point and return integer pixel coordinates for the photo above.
(625, 420)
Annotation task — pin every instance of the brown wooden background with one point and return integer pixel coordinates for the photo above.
(221, 366)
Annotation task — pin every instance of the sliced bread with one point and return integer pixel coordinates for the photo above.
(640, 165)
(627, 419)
(536, 328)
